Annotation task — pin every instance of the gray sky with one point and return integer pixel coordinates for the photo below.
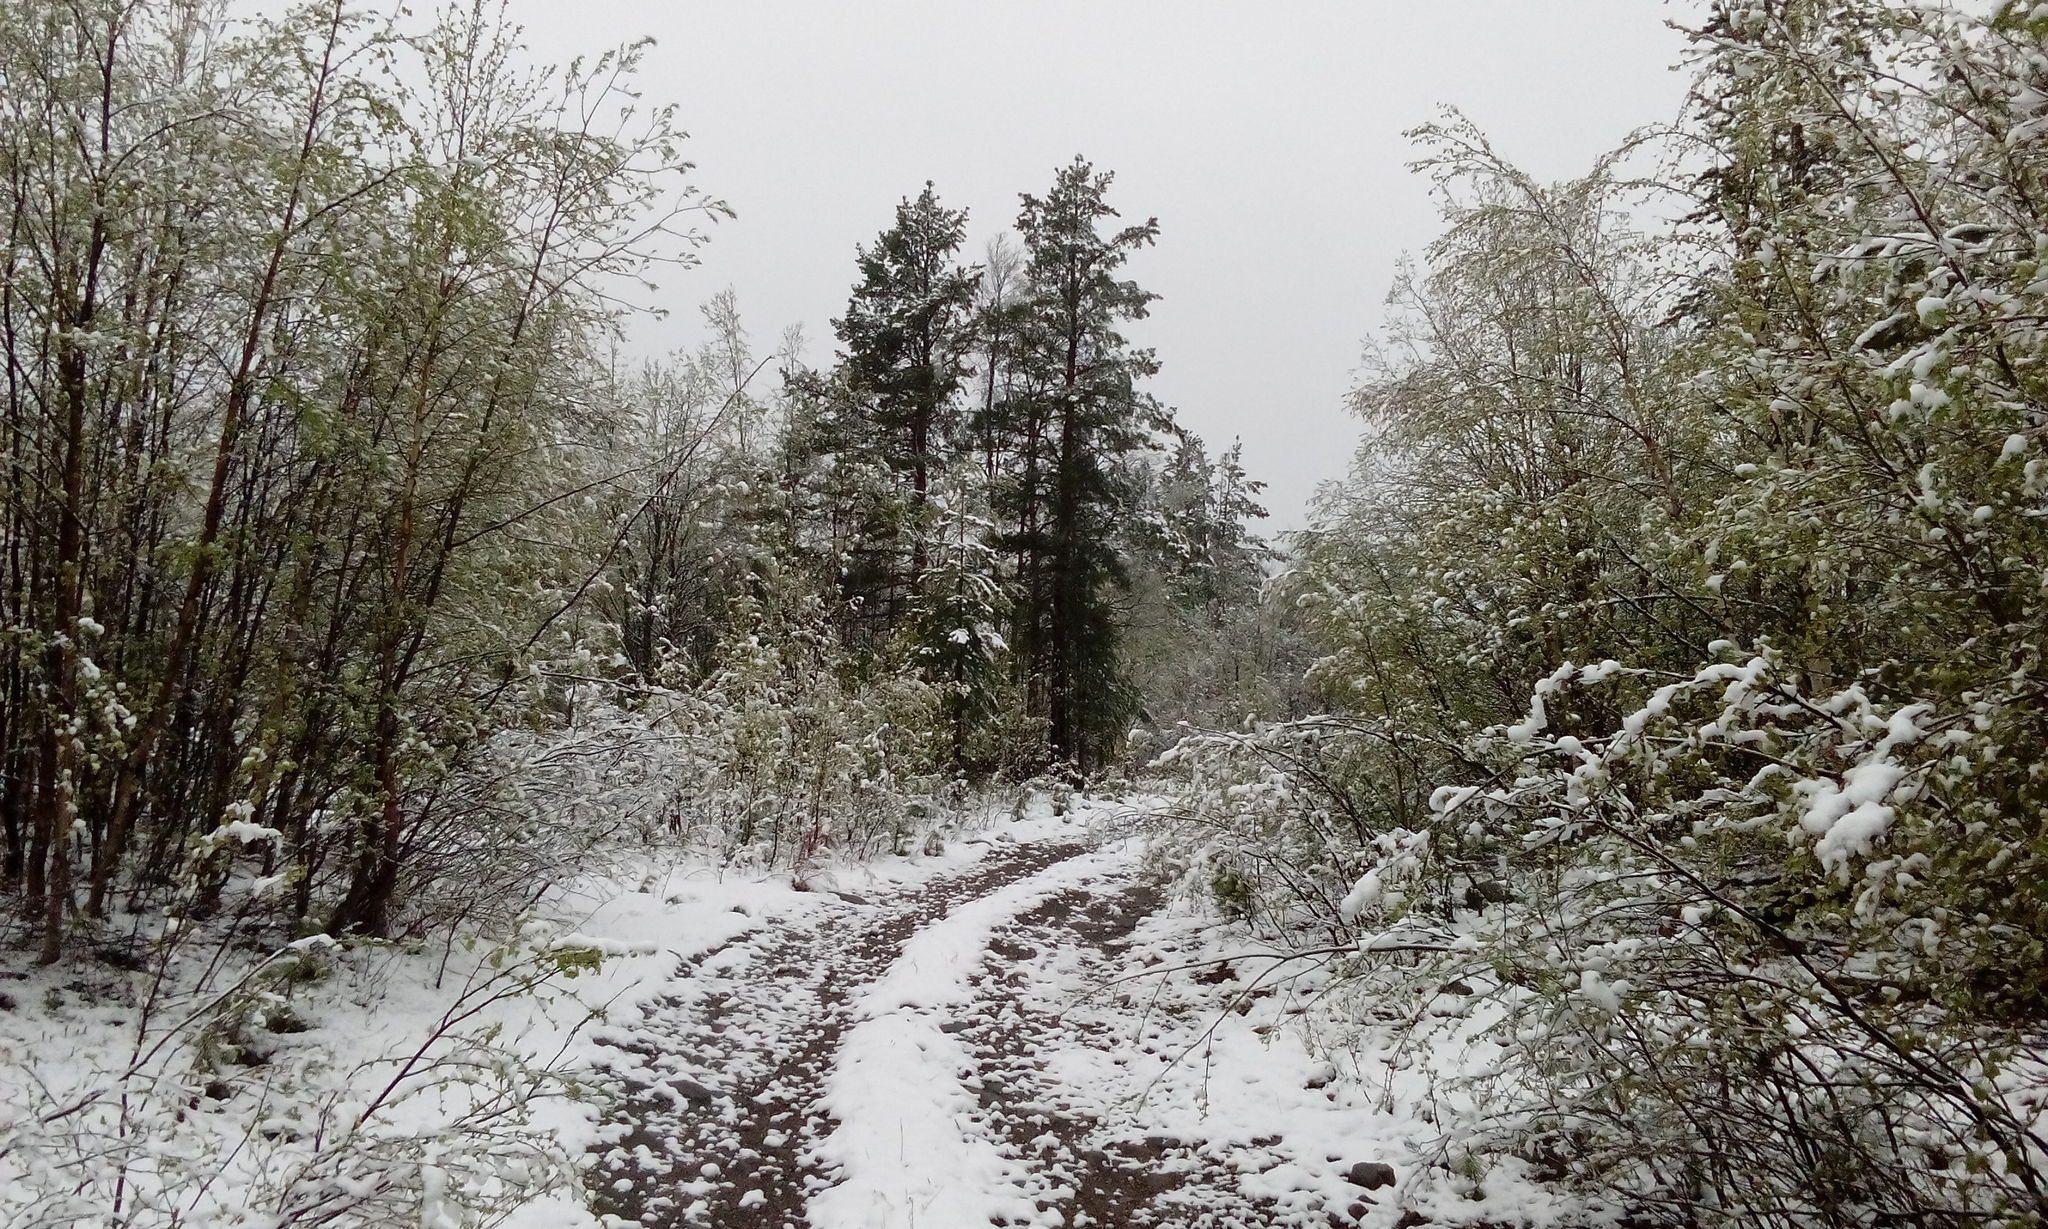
(1266, 138)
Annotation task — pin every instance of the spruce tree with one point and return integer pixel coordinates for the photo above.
(904, 336)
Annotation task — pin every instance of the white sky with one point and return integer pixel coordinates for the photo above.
(1265, 136)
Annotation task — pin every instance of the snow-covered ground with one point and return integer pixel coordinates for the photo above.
(1206, 1066)
(1014, 1030)
(905, 1146)
(1038, 1039)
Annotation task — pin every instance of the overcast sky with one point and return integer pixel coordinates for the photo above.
(1265, 136)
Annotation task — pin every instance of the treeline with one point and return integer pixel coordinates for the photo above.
(978, 493)
(298, 327)
(1683, 631)
(345, 567)
(971, 548)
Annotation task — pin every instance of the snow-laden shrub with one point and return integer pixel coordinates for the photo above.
(783, 754)
(314, 1086)
(797, 753)
(1761, 940)
(1771, 956)
(1748, 957)
(1276, 824)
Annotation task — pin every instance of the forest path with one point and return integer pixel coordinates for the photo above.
(906, 1061)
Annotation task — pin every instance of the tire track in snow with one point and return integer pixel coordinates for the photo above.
(912, 1145)
(722, 1078)
(1090, 1168)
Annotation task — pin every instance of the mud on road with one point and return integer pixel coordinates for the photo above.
(721, 1085)
(722, 1079)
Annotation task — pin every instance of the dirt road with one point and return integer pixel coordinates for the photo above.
(752, 1095)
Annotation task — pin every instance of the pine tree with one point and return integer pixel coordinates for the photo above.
(1073, 413)
(904, 333)
(961, 603)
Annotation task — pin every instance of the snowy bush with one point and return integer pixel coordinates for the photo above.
(316, 1086)
(1750, 884)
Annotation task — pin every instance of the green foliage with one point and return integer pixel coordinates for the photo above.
(572, 960)
(1750, 884)
(1200, 646)
(976, 566)
(1233, 896)
(305, 337)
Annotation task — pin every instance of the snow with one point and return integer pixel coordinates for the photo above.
(1523, 732)
(1852, 815)
(1260, 1072)
(1250, 1066)
(906, 1149)
(116, 1081)
(1363, 895)
(690, 909)
(1600, 993)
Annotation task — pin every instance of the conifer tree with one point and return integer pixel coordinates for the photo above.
(904, 334)
(904, 339)
(1195, 641)
(1074, 412)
